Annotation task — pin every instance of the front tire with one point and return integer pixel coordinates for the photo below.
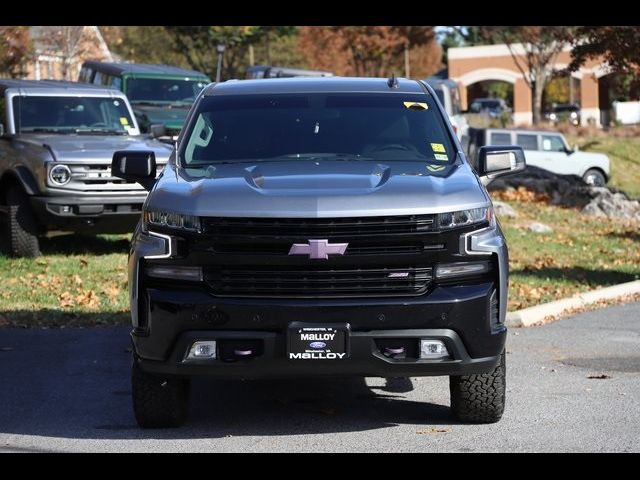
(158, 401)
(479, 398)
(595, 177)
(21, 225)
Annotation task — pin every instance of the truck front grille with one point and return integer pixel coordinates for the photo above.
(95, 177)
(300, 282)
(318, 227)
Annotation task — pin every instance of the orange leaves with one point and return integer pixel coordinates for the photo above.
(520, 194)
(84, 298)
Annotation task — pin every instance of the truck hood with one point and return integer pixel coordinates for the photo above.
(315, 189)
(83, 148)
(171, 117)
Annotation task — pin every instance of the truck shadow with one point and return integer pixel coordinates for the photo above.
(74, 383)
(77, 244)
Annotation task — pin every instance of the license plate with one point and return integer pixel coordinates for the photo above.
(318, 342)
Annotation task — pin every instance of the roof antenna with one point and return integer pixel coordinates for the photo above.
(392, 82)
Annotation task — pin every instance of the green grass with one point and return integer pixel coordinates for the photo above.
(79, 280)
(581, 253)
(624, 154)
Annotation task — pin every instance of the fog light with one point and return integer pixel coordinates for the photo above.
(192, 274)
(433, 349)
(202, 350)
(447, 270)
(65, 209)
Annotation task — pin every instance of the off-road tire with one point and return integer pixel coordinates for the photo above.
(598, 178)
(158, 401)
(21, 227)
(479, 398)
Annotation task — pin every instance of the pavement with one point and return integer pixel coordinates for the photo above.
(68, 390)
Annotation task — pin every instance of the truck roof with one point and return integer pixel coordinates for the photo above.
(313, 84)
(57, 87)
(141, 68)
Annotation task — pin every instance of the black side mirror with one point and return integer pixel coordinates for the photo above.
(135, 166)
(497, 160)
(157, 130)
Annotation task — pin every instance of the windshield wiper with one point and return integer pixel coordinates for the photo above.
(106, 131)
(40, 130)
(148, 102)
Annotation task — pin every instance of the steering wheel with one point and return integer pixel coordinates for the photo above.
(392, 146)
(98, 125)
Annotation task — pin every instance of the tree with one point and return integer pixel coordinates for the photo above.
(540, 49)
(362, 50)
(198, 45)
(66, 41)
(620, 47)
(144, 44)
(15, 50)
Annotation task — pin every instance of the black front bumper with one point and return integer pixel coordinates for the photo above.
(89, 214)
(459, 315)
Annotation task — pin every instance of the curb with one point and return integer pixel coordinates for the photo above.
(532, 315)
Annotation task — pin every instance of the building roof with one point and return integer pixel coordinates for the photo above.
(141, 68)
(313, 84)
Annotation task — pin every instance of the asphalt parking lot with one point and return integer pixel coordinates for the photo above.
(68, 390)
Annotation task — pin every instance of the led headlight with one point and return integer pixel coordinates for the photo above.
(59, 175)
(171, 220)
(462, 218)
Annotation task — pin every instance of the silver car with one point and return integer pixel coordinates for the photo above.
(56, 144)
(317, 226)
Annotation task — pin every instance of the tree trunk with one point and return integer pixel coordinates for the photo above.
(538, 90)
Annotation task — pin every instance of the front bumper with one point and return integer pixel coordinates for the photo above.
(90, 214)
(458, 315)
(365, 358)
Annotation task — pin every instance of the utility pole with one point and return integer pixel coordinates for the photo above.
(407, 65)
(252, 60)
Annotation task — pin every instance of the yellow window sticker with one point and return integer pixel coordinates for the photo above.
(438, 147)
(435, 168)
(416, 105)
(124, 120)
(441, 156)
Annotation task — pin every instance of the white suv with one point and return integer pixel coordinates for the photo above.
(550, 151)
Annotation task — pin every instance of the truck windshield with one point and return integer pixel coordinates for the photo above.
(385, 127)
(65, 115)
(163, 90)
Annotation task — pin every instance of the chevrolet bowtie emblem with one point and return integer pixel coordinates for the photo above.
(318, 249)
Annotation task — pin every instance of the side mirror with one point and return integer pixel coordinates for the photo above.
(157, 130)
(497, 160)
(135, 166)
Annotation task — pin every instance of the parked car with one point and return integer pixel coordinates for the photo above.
(56, 144)
(547, 150)
(318, 227)
(448, 93)
(564, 112)
(159, 94)
(265, 71)
(492, 107)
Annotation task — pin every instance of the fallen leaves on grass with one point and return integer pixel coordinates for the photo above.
(85, 298)
(520, 194)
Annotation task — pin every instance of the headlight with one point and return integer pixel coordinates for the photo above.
(59, 175)
(172, 220)
(462, 218)
(574, 114)
(552, 116)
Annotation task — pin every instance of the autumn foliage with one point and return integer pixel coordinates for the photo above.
(371, 50)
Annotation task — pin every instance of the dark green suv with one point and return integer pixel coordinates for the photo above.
(159, 94)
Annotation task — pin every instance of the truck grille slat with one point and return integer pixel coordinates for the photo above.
(325, 283)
